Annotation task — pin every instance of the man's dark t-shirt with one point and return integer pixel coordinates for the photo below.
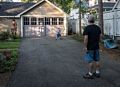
(93, 32)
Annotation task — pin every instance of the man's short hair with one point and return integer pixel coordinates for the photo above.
(91, 19)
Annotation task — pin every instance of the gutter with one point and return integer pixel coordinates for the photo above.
(9, 16)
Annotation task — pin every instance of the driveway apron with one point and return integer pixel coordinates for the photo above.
(46, 62)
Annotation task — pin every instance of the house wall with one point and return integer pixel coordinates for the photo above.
(45, 9)
(6, 24)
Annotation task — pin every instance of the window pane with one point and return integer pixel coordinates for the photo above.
(33, 21)
(26, 20)
(47, 21)
(40, 21)
(54, 21)
(61, 20)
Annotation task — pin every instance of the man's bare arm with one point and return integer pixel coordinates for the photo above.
(85, 40)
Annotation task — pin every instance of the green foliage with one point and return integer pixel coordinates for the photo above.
(15, 36)
(4, 35)
(27, 0)
(7, 35)
(78, 37)
(5, 63)
(14, 44)
(66, 5)
(83, 7)
(9, 65)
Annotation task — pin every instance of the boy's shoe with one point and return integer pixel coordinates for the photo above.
(96, 75)
(88, 76)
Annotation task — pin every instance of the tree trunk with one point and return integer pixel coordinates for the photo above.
(100, 4)
(80, 30)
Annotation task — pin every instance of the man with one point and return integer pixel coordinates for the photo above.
(92, 34)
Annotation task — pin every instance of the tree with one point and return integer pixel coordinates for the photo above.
(63, 4)
(100, 3)
(27, 0)
(81, 4)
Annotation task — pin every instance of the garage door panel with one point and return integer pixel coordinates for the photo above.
(34, 31)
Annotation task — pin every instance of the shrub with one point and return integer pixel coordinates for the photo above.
(15, 36)
(4, 35)
(9, 65)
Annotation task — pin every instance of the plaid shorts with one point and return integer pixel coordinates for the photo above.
(92, 55)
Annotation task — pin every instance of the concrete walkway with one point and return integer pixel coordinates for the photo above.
(45, 62)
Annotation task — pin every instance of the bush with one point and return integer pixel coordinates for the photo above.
(9, 65)
(4, 35)
(78, 37)
(15, 37)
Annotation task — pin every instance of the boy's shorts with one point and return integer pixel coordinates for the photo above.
(92, 55)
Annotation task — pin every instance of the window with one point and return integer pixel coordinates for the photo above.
(47, 21)
(54, 21)
(33, 21)
(61, 21)
(26, 21)
(40, 21)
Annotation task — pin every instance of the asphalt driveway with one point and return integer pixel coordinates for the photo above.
(45, 62)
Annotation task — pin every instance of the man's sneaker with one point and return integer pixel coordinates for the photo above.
(96, 75)
(88, 76)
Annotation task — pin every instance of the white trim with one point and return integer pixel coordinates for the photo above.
(21, 32)
(65, 25)
(115, 5)
(9, 16)
(38, 4)
(41, 16)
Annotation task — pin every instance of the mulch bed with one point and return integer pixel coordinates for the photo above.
(113, 53)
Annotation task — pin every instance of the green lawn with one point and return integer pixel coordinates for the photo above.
(9, 44)
(13, 46)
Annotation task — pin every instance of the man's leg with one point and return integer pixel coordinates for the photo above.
(97, 69)
(89, 58)
(97, 63)
(90, 68)
(89, 75)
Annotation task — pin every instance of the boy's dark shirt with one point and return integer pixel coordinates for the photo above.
(93, 32)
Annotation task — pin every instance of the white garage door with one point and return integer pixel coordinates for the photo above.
(33, 27)
(38, 27)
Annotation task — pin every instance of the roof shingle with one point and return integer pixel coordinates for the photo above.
(13, 8)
